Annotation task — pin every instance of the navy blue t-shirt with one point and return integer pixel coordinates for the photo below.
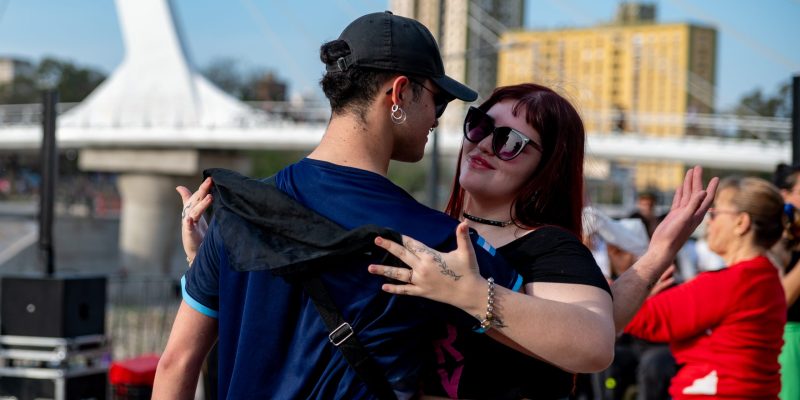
(272, 342)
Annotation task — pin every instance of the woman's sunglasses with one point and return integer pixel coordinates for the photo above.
(507, 143)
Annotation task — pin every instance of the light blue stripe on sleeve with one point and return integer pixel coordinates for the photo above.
(517, 283)
(194, 303)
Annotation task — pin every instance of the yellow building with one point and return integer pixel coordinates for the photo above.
(633, 76)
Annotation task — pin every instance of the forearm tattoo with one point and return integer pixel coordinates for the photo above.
(437, 258)
(497, 322)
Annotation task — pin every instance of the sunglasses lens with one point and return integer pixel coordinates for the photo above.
(477, 126)
(506, 145)
(440, 107)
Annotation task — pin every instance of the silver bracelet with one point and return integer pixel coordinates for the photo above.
(489, 319)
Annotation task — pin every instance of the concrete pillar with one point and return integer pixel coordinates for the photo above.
(150, 222)
(149, 232)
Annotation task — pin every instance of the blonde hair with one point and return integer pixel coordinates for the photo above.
(763, 202)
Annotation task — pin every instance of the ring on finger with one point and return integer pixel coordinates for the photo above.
(186, 207)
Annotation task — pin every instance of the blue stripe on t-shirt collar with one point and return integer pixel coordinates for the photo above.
(486, 246)
(491, 250)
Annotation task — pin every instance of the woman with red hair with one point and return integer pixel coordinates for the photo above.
(519, 184)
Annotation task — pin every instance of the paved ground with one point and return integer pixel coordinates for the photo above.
(139, 309)
(16, 234)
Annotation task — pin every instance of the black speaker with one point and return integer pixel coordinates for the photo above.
(60, 307)
(86, 387)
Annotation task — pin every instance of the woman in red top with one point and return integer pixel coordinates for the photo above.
(725, 327)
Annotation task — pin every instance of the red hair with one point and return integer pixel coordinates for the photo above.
(553, 195)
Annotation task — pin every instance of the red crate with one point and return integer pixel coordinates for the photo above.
(133, 378)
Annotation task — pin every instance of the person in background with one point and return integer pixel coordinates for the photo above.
(646, 210)
(707, 260)
(620, 242)
(725, 327)
(640, 368)
(787, 179)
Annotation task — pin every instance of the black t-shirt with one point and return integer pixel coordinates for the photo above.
(477, 367)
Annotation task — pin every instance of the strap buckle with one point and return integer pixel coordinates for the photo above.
(340, 334)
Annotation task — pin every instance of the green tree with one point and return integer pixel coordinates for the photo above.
(22, 89)
(756, 102)
(73, 82)
(268, 162)
(254, 85)
(759, 103)
(226, 75)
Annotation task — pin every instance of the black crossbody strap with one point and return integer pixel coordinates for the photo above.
(343, 337)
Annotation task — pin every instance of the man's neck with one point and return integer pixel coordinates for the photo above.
(350, 142)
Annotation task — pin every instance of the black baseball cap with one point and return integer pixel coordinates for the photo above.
(393, 43)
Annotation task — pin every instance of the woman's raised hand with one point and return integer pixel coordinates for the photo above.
(689, 206)
(451, 278)
(193, 225)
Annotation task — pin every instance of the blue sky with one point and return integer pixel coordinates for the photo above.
(758, 43)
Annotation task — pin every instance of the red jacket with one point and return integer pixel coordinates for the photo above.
(725, 329)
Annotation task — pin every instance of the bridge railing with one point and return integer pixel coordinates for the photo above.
(316, 112)
(692, 124)
(603, 121)
(27, 114)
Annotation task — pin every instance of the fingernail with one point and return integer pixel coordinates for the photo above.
(378, 240)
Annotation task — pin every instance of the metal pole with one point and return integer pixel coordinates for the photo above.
(49, 165)
(433, 176)
(796, 120)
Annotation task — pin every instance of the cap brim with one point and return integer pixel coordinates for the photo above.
(455, 88)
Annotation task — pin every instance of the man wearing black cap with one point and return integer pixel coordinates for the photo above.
(386, 85)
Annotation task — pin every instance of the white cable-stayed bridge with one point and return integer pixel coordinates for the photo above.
(719, 141)
(156, 122)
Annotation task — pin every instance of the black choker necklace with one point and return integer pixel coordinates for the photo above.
(486, 221)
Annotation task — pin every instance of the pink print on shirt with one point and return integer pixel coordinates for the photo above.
(449, 381)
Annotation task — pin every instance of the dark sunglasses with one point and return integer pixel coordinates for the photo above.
(507, 143)
(440, 99)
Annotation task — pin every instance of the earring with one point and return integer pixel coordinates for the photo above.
(397, 114)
